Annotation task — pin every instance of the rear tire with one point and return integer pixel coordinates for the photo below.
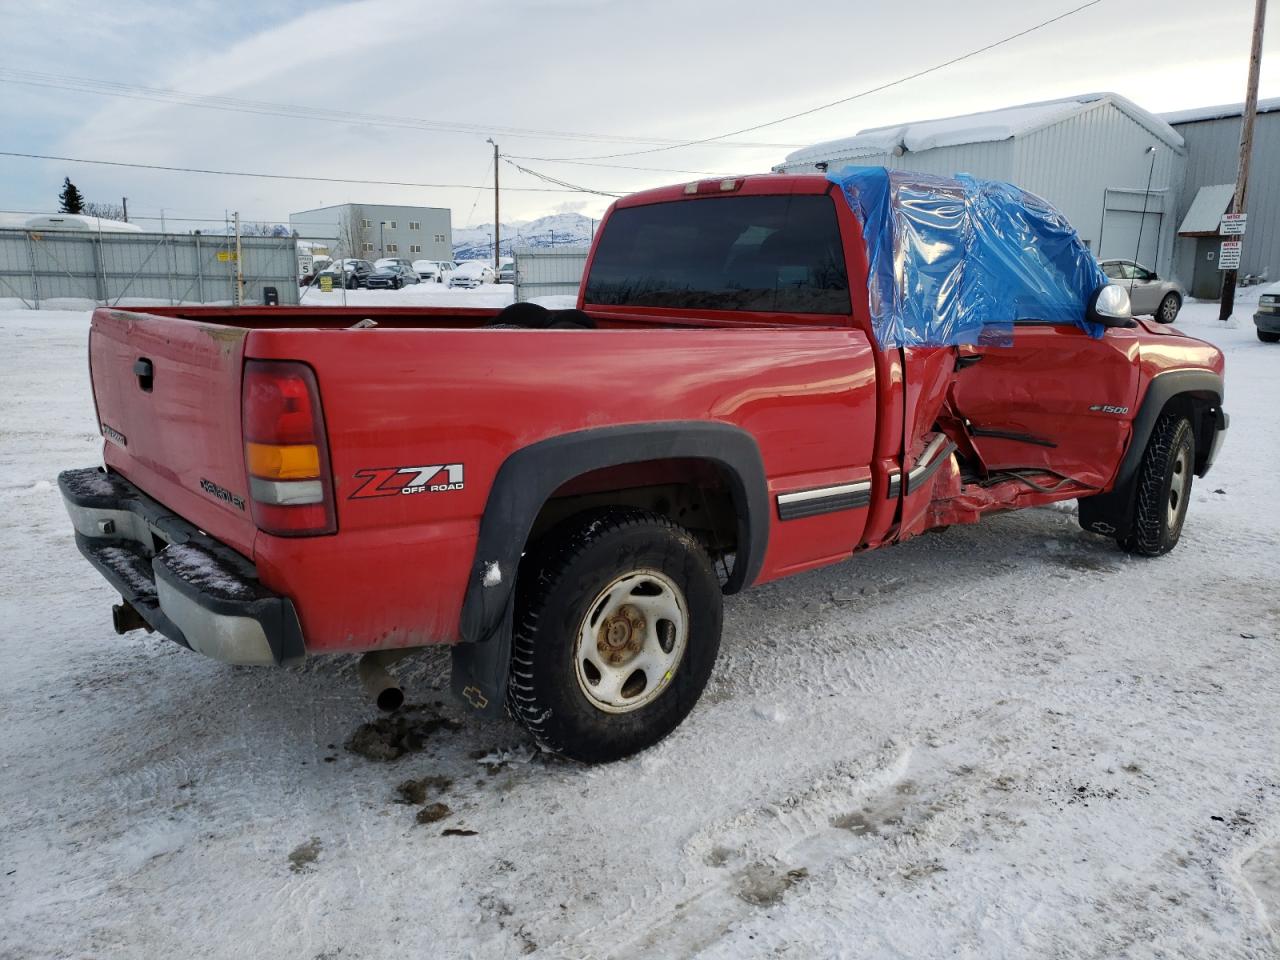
(1164, 488)
(1268, 337)
(618, 620)
(1167, 312)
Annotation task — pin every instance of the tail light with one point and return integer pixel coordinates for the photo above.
(286, 451)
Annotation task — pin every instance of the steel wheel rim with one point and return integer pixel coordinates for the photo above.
(1177, 486)
(637, 626)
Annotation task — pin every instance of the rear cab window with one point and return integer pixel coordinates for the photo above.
(754, 253)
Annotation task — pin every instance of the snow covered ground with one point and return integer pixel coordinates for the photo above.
(1007, 740)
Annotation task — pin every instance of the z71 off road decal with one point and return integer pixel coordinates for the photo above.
(393, 481)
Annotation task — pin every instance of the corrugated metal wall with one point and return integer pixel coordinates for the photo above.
(1213, 155)
(1084, 164)
(1096, 162)
(36, 266)
(544, 272)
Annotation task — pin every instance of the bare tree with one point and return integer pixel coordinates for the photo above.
(352, 233)
(107, 211)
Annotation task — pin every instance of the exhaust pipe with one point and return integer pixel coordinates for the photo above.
(379, 686)
(125, 617)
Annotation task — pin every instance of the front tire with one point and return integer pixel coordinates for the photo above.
(1266, 337)
(618, 620)
(1169, 307)
(1164, 488)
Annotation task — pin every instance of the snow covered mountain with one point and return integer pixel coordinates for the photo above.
(556, 230)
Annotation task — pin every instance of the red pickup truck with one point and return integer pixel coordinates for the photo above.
(565, 496)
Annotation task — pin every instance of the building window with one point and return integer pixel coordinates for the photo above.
(368, 247)
(367, 224)
(392, 224)
(439, 238)
(415, 224)
(392, 248)
(415, 248)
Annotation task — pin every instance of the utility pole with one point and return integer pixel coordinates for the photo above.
(239, 291)
(497, 240)
(1246, 148)
(124, 202)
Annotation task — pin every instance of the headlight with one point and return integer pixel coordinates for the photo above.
(1269, 299)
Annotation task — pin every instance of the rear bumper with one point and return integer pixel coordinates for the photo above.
(184, 584)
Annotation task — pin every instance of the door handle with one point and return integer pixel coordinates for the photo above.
(144, 371)
(967, 361)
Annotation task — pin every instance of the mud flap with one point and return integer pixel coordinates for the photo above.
(479, 671)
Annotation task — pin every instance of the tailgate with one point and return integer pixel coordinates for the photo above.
(168, 397)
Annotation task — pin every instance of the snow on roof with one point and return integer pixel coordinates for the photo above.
(1207, 209)
(1218, 112)
(984, 127)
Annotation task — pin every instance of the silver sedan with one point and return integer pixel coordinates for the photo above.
(1148, 294)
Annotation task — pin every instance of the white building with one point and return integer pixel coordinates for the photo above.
(372, 230)
(1091, 156)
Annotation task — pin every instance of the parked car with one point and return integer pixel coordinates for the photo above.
(471, 274)
(749, 412)
(1267, 317)
(388, 261)
(446, 270)
(1148, 294)
(350, 273)
(391, 276)
(428, 271)
(507, 272)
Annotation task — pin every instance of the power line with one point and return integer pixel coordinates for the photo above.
(298, 177)
(129, 91)
(617, 166)
(562, 183)
(843, 100)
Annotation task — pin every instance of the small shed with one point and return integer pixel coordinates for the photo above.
(1112, 167)
(1203, 223)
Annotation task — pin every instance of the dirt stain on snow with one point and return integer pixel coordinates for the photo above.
(433, 813)
(764, 884)
(304, 855)
(405, 731)
(415, 792)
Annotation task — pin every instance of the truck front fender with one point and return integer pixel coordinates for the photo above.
(525, 482)
(1111, 513)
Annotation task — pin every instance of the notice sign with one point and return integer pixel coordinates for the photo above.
(1229, 255)
(1233, 224)
(326, 282)
(226, 256)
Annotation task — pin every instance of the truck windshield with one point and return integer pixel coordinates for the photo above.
(771, 253)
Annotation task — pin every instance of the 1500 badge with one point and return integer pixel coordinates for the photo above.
(393, 481)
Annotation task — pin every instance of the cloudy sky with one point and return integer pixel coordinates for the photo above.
(609, 78)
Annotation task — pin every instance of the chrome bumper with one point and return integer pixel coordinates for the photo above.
(182, 583)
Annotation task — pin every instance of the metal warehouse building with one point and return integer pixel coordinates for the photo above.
(1212, 136)
(1092, 156)
(372, 230)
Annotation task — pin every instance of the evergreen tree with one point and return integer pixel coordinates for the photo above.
(71, 199)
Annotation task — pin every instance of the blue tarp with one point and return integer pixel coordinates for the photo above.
(958, 260)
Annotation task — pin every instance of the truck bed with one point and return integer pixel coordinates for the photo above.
(427, 386)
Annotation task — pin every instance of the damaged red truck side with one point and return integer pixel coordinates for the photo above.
(564, 496)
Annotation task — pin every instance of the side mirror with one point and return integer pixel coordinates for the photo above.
(1110, 307)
